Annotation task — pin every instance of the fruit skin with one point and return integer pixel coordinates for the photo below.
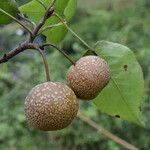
(51, 106)
(88, 77)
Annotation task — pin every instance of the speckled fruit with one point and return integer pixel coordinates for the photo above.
(88, 77)
(51, 106)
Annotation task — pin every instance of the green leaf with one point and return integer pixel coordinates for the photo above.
(10, 7)
(122, 97)
(65, 9)
(70, 9)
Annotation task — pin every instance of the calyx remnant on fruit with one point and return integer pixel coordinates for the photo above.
(88, 77)
(51, 106)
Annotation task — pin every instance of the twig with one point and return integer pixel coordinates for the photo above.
(47, 14)
(105, 132)
(20, 48)
(28, 44)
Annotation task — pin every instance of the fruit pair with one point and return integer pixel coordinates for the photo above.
(53, 105)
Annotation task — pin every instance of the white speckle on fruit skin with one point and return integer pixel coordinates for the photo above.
(38, 94)
(43, 90)
(52, 96)
(88, 77)
(50, 106)
(60, 92)
(56, 93)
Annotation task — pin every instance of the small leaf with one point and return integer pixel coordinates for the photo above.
(10, 7)
(65, 9)
(122, 97)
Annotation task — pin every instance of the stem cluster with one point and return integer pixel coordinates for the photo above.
(28, 44)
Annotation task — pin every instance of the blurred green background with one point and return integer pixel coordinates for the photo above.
(123, 21)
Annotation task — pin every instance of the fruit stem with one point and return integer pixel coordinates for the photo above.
(61, 51)
(15, 19)
(45, 64)
(72, 32)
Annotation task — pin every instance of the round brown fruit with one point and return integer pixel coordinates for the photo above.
(88, 77)
(51, 106)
